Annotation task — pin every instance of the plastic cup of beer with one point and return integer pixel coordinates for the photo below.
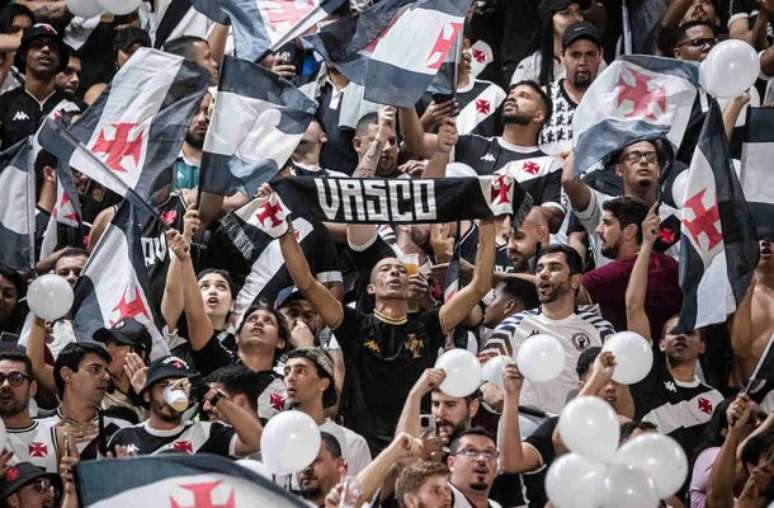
(411, 262)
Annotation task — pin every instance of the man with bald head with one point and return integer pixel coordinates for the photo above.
(524, 241)
(387, 350)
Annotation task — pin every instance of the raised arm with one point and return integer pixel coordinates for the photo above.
(515, 457)
(731, 113)
(446, 139)
(36, 350)
(420, 143)
(601, 375)
(458, 308)
(636, 318)
(409, 416)
(577, 191)
(720, 485)
(247, 427)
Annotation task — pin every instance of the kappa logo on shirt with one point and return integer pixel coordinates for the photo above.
(670, 386)
(488, 157)
(20, 116)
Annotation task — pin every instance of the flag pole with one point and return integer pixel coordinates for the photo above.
(286, 37)
(31, 226)
(75, 144)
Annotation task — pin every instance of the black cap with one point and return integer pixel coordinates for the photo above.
(581, 30)
(325, 363)
(124, 39)
(550, 7)
(287, 295)
(165, 368)
(128, 332)
(19, 475)
(35, 32)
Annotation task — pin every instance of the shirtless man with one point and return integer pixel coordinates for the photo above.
(753, 323)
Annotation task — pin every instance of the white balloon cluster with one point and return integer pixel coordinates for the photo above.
(730, 69)
(597, 473)
(91, 8)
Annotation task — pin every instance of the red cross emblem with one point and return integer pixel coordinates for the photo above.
(482, 106)
(11, 473)
(478, 55)
(169, 217)
(37, 449)
(285, 13)
(530, 167)
(120, 146)
(270, 211)
(66, 209)
(277, 401)
(130, 308)
(202, 496)
(704, 220)
(183, 446)
(667, 236)
(705, 405)
(501, 190)
(641, 96)
(446, 38)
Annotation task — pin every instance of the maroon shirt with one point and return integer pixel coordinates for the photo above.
(607, 286)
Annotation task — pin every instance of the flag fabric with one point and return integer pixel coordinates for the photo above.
(636, 97)
(262, 25)
(483, 106)
(258, 121)
(17, 206)
(718, 245)
(177, 481)
(760, 387)
(65, 225)
(756, 172)
(395, 48)
(242, 245)
(401, 201)
(452, 281)
(113, 284)
(137, 125)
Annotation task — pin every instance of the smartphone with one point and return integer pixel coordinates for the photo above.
(427, 423)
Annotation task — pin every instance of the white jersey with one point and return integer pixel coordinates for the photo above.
(576, 333)
(33, 444)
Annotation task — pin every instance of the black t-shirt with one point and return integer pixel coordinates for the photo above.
(539, 174)
(384, 358)
(21, 114)
(337, 152)
(192, 437)
(542, 441)
(213, 356)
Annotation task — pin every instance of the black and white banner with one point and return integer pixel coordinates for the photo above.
(401, 201)
(756, 174)
(17, 206)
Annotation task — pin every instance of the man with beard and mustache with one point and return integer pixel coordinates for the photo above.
(621, 236)
(524, 242)
(324, 473)
(559, 270)
(473, 466)
(165, 429)
(525, 110)
(27, 439)
(186, 167)
(581, 57)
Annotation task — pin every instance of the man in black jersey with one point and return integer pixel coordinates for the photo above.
(166, 431)
(387, 350)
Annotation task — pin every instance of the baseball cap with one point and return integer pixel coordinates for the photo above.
(19, 475)
(581, 30)
(124, 39)
(165, 368)
(128, 332)
(286, 295)
(324, 362)
(549, 7)
(36, 32)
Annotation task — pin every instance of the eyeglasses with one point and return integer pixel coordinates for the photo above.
(14, 378)
(472, 453)
(635, 156)
(700, 43)
(42, 485)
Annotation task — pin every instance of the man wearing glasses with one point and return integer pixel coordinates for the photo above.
(27, 486)
(473, 467)
(27, 438)
(696, 40)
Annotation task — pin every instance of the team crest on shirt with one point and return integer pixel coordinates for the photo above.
(414, 345)
(372, 345)
(37, 449)
(670, 386)
(581, 341)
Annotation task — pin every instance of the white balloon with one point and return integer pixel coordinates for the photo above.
(84, 8)
(731, 68)
(633, 356)
(290, 442)
(120, 7)
(492, 371)
(679, 187)
(540, 358)
(463, 372)
(628, 486)
(589, 426)
(660, 456)
(574, 481)
(50, 297)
